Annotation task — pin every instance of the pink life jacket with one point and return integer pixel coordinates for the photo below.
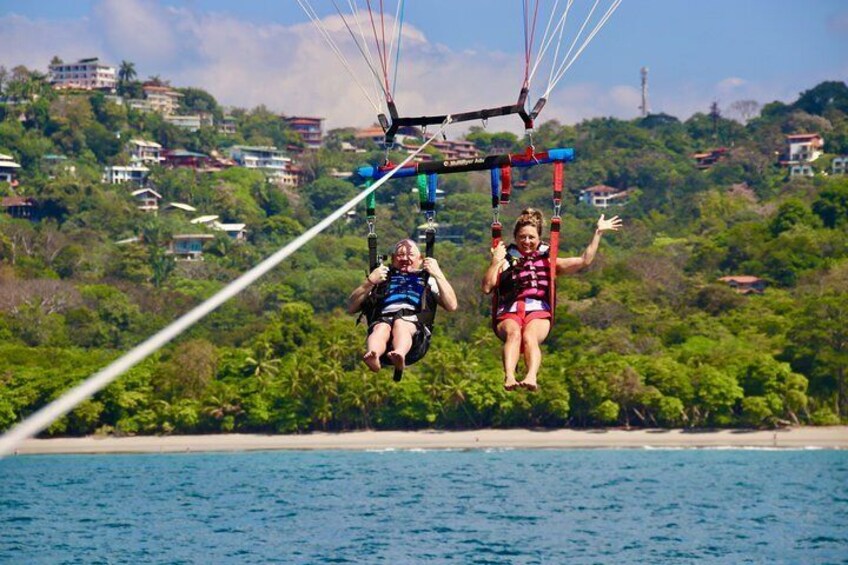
(528, 276)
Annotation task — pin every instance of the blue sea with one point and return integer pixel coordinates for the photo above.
(513, 506)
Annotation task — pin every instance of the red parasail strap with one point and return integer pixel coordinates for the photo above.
(555, 228)
(506, 184)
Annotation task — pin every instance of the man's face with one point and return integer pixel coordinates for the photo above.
(407, 257)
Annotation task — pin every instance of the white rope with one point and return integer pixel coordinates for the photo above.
(377, 83)
(313, 16)
(64, 404)
(574, 42)
(598, 26)
(548, 37)
(397, 26)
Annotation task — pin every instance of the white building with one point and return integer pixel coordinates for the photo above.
(162, 99)
(270, 159)
(191, 123)
(602, 196)
(801, 170)
(804, 148)
(8, 168)
(147, 199)
(179, 206)
(89, 74)
(238, 232)
(145, 152)
(136, 174)
(840, 165)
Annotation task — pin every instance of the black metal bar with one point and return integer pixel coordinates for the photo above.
(484, 114)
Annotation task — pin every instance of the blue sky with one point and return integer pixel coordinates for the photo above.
(458, 54)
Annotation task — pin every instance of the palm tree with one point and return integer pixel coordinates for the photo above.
(126, 73)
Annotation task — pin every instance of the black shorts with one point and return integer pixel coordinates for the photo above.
(420, 339)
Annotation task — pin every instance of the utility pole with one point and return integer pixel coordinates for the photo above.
(644, 107)
(715, 114)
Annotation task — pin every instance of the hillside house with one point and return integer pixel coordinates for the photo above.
(162, 99)
(206, 220)
(803, 148)
(237, 232)
(87, 74)
(801, 170)
(180, 158)
(277, 166)
(20, 207)
(192, 122)
(8, 168)
(445, 232)
(144, 152)
(188, 247)
(603, 196)
(745, 284)
(839, 165)
(147, 199)
(709, 158)
(179, 207)
(227, 126)
(459, 149)
(135, 174)
(54, 165)
(348, 147)
(309, 129)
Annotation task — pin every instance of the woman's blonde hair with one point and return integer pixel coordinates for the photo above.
(529, 217)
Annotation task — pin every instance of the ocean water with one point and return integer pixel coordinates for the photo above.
(544, 506)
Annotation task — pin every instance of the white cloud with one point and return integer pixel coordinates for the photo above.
(291, 70)
(33, 43)
(731, 84)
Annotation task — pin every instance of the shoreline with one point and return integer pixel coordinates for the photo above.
(831, 437)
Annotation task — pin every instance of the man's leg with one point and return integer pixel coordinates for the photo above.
(376, 345)
(402, 332)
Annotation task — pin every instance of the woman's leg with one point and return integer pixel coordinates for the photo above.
(376, 345)
(534, 334)
(510, 333)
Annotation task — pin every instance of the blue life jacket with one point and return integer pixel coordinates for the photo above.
(404, 288)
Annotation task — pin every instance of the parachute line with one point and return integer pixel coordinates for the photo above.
(564, 67)
(41, 419)
(313, 16)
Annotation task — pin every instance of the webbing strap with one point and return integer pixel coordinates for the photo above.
(430, 239)
(556, 224)
(421, 182)
(506, 184)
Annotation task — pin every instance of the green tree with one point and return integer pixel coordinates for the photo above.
(832, 205)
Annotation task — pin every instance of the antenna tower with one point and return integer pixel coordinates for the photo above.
(644, 107)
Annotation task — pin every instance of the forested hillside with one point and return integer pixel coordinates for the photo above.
(647, 337)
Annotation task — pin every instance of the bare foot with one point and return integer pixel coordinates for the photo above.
(372, 361)
(529, 384)
(510, 383)
(397, 360)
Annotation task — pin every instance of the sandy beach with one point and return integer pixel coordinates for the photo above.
(835, 437)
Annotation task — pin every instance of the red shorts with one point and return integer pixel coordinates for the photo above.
(523, 318)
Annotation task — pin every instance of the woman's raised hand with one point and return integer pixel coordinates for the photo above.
(498, 253)
(613, 224)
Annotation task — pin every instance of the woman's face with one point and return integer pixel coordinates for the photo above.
(527, 239)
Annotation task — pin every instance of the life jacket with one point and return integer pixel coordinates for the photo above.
(528, 276)
(412, 289)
